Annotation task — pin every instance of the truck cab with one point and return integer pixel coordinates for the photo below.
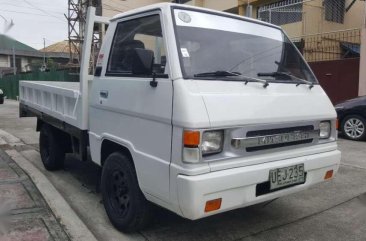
(199, 112)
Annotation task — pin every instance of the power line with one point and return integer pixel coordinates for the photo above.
(19, 6)
(28, 13)
(40, 9)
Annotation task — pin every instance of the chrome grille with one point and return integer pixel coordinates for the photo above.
(275, 138)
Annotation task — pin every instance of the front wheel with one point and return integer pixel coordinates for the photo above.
(354, 127)
(125, 204)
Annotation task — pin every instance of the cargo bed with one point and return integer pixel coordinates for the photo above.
(60, 100)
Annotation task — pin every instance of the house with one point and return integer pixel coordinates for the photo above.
(59, 52)
(16, 56)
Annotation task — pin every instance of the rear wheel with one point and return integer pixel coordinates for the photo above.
(125, 204)
(51, 148)
(354, 127)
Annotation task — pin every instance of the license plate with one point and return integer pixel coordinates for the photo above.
(286, 176)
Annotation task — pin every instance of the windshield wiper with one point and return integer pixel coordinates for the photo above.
(220, 73)
(246, 79)
(278, 73)
(251, 79)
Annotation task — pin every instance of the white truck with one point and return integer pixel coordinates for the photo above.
(195, 110)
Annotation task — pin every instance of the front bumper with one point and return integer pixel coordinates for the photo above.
(237, 186)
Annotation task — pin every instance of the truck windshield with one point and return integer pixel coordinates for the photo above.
(209, 43)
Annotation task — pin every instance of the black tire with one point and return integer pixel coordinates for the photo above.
(125, 204)
(353, 127)
(51, 148)
(1, 100)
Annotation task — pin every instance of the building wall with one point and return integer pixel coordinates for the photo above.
(313, 17)
(23, 63)
(313, 20)
(220, 5)
(113, 7)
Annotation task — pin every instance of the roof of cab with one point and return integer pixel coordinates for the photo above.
(168, 5)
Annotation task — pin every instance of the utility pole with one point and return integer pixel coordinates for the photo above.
(362, 76)
(14, 67)
(76, 18)
(44, 52)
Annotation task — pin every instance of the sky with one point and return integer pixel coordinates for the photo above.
(35, 20)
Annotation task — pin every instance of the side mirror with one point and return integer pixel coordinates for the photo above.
(142, 61)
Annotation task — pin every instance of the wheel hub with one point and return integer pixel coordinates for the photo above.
(354, 128)
(120, 193)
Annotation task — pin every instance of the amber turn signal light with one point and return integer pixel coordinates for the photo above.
(191, 138)
(213, 205)
(328, 175)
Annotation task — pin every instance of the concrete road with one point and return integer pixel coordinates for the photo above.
(335, 210)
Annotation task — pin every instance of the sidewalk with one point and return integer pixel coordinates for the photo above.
(24, 214)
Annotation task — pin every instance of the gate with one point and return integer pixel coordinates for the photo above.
(339, 78)
(335, 60)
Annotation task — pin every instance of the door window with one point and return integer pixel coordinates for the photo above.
(141, 33)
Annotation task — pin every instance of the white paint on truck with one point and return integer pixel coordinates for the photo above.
(238, 83)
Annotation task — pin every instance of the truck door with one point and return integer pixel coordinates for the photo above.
(126, 109)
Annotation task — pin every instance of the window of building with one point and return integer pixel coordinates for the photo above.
(334, 10)
(141, 33)
(282, 12)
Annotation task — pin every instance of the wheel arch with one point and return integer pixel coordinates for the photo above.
(351, 113)
(108, 147)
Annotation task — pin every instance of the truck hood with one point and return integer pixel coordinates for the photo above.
(235, 103)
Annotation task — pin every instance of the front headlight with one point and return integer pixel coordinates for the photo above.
(324, 129)
(212, 142)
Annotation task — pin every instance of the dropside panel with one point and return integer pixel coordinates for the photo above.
(60, 100)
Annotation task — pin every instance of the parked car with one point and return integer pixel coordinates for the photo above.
(1, 96)
(352, 118)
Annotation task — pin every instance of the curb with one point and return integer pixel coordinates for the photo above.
(71, 222)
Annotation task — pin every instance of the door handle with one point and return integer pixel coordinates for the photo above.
(103, 94)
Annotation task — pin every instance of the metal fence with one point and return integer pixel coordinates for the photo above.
(283, 12)
(10, 83)
(330, 46)
(303, 18)
(311, 14)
